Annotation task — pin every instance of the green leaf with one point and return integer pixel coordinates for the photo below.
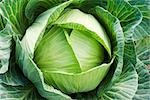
(116, 36)
(142, 30)
(143, 5)
(124, 88)
(19, 93)
(34, 74)
(37, 29)
(13, 12)
(130, 52)
(143, 50)
(128, 15)
(35, 7)
(13, 76)
(142, 36)
(5, 48)
(124, 82)
(88, 51)
(86, 5)
(143, 82)
(75, 19)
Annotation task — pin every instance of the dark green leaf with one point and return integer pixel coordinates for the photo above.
(8, 92)
(13, 12)
(143, 82)
(35, 7)
(128, 15)
(142, 30)
(125, 86)
(143, 50)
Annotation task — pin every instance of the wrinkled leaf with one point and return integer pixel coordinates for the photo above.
(125, 87)
(19, 92)
(5, 48)
(143, 82)
(143, 50)
(13, 12)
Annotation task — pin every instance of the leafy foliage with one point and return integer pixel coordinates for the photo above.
(94, 50)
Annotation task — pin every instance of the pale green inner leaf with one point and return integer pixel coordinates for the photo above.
(84, 22)
(54, 53)
(88, 51)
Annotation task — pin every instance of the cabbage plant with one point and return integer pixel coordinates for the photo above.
(74, 49)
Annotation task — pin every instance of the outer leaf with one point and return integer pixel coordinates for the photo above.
(141, 36)
(12, 83)
(33, 73)
(13, 76)
(143, 50)
(13, 12)
(86, 5)
(143, 5)
(128, 15)
(35, 7)
(142, 30)
(116, 36)
(5, 48)
(19, 93)
(143, 82)
(129, 51)
(125, 87)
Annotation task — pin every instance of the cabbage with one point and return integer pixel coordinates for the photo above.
(74, 49)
